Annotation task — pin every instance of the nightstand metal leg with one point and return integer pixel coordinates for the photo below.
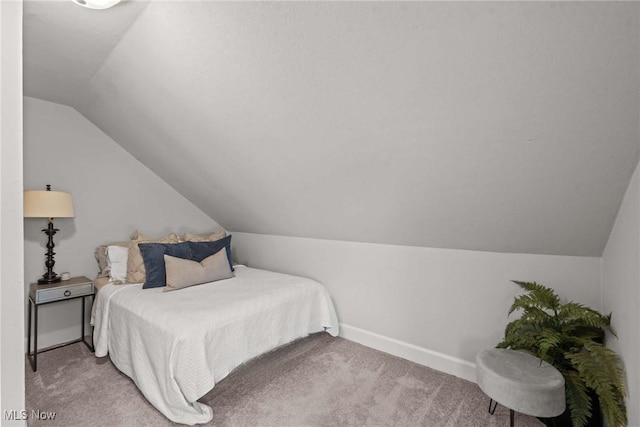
(82, 320)
(29, 331)
(35, 341)
(89, 345)
(31, 356)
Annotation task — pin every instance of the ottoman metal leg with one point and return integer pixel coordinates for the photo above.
(491, 411)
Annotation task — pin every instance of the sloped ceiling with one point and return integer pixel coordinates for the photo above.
(65, 45)
(509, 127)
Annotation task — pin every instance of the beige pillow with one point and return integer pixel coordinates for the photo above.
(136, 273)
(206, 237)
(182, 273)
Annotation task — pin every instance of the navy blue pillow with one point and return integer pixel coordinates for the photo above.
(153, 257)
(202, 250)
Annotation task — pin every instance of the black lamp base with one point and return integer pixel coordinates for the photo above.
(50, 276)
(46, 280)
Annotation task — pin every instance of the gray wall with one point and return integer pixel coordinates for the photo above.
(621, 291)
(113, 194)
(438, 307)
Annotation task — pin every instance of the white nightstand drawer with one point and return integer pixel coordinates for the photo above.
(63, 292)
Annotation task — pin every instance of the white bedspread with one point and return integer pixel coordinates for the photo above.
(177, 345)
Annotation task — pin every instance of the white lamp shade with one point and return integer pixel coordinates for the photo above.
(48, 204)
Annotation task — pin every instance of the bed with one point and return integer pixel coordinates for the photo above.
(177, 345)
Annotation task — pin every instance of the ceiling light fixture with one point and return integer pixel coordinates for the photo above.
(97, 4)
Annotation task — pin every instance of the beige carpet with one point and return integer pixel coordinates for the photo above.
(316, 381)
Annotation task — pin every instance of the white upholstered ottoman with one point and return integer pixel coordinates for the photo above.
(520, 382)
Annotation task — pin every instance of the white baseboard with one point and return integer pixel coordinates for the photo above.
(58, 337)
(432, 359)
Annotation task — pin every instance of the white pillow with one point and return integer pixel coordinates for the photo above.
(117, 261)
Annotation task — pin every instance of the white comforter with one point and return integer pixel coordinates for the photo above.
(177, 345)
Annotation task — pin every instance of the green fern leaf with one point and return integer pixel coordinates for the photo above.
(545, 297)
(599, 368)
(577, 398)
(610, 365)
(576, 315)
(548, 341)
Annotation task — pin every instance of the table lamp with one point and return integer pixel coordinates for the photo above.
(48, 204)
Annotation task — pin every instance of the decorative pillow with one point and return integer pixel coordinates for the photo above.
(117, 262)
(206, 237)
(101, 257)
(152, 254)
(136, 272)
(202, 250)
(182, 273)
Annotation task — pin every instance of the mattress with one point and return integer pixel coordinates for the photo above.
(177, 345)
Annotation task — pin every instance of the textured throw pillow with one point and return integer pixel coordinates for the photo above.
(206, 237)
(153, 256)
(117, 262)
(182, 273)
(202, 250)
(136, 272)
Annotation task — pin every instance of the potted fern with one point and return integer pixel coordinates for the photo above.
(570, 337)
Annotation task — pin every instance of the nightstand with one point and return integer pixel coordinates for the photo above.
(74, 288)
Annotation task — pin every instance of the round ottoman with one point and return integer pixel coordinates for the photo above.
(520, 382)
